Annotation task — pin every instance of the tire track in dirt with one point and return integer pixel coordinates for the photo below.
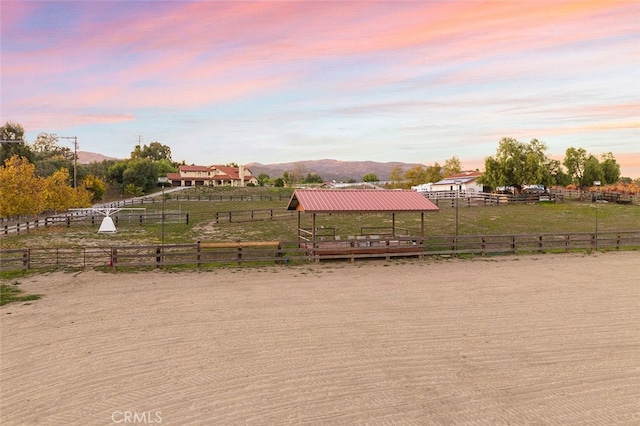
(424, 342)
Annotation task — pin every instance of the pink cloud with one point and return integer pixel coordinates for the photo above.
(65, 120)
(14, 13)
(178, 55)
(192, 42)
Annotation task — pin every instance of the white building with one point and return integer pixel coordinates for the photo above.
(464, 183)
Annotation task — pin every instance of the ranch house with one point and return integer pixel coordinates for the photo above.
(215, 175)
(467, 183)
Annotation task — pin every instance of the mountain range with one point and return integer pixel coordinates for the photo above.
(85, 157)
(327, 169)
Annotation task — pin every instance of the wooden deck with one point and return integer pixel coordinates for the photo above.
(364, 245)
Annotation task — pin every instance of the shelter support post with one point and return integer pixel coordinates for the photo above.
(393, 223)
(313, 237)
(422, 232)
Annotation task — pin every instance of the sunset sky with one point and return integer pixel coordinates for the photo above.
(267, 81)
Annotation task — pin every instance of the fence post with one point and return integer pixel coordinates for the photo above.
(540, 244)
(239, 254)
(114, 258)
(68, 221)
(513, 245)
(198, 253)
(483, 246)
(158, 257)
(26, 259)
(187, 218)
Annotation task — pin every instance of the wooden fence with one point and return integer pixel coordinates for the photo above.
(203, 254)
(247, 215)
(149, 218)
(157, 198)
(469, 199)
(83, 219)
(609, 196)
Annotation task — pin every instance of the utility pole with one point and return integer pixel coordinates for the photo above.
(75, 158)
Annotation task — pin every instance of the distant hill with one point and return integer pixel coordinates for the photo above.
(327, 169)
(85, 157)
(331, 169)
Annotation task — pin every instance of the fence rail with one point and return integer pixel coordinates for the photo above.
(157, 198)
(449, 198)
(79, 219)
(609, 196)
(249, 215)
(468, 199)
(204, 254)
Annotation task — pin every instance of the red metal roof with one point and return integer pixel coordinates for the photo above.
(193, 168)
(336, 200)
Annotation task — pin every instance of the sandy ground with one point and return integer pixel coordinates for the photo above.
(547, 339)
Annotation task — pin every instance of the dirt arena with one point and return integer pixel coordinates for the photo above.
(546, 339)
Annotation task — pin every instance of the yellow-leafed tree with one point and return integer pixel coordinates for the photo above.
(58, 195)
(82, 197)
(96, 186)
(20, 188)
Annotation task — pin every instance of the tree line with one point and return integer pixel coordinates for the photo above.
(516, 164)
(35, 177)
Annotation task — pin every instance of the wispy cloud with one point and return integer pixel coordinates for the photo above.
(417, 80)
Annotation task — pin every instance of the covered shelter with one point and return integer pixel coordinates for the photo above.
(329, 201)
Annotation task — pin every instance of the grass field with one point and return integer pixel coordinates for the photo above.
(11, 293)
(569, 216)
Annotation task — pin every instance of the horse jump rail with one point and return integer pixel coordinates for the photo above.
(240, 244)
